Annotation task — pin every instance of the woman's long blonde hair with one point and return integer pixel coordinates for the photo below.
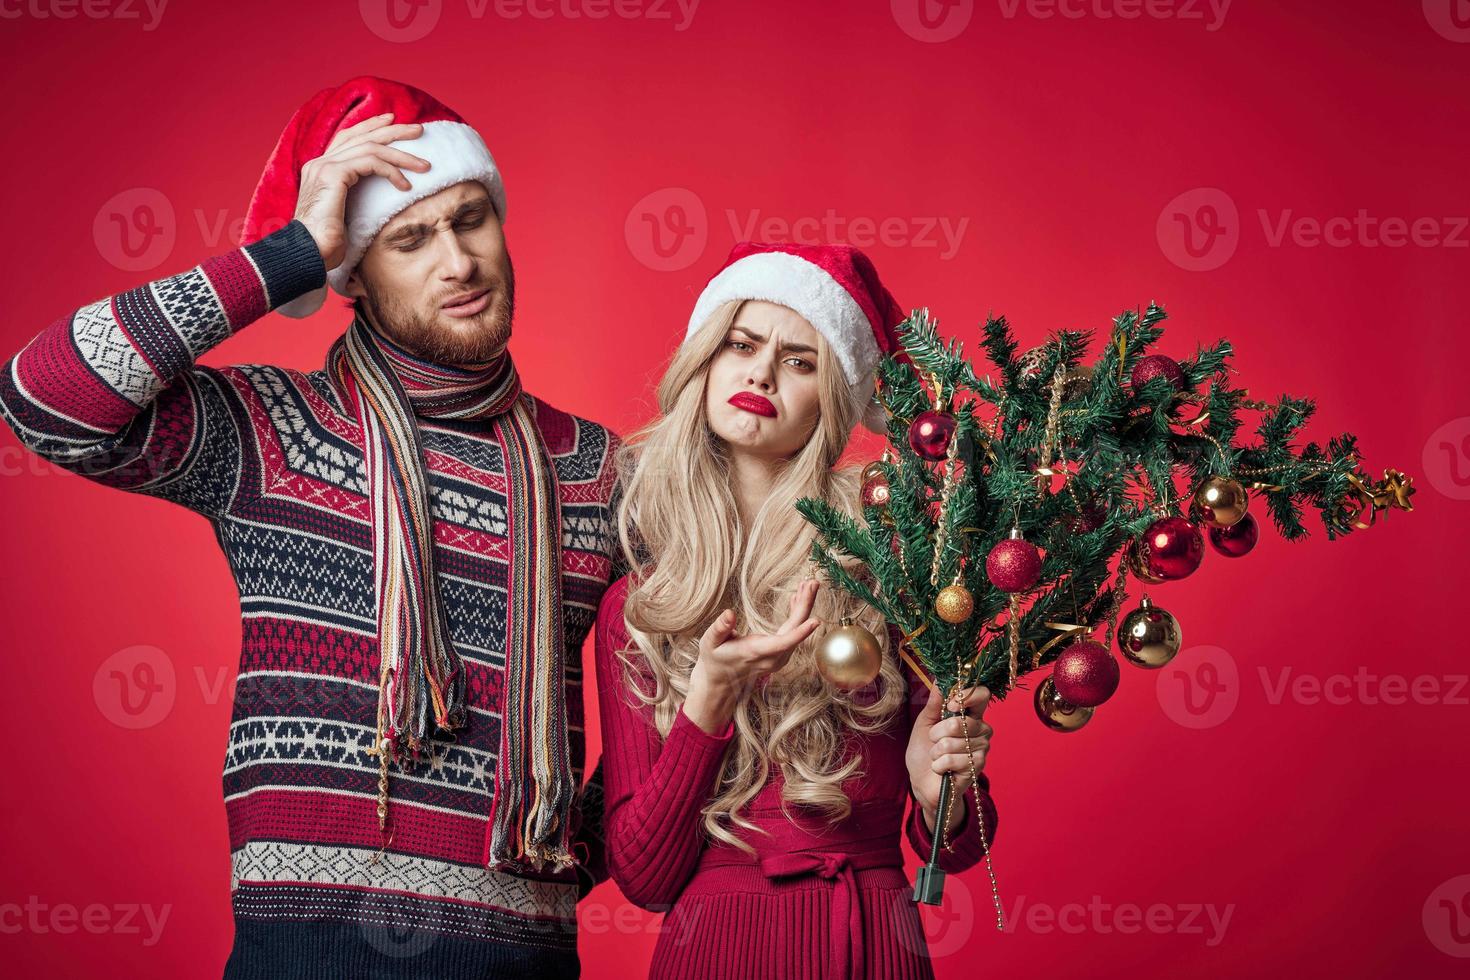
(692, 557)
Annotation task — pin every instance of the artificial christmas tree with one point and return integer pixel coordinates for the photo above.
(993, 520)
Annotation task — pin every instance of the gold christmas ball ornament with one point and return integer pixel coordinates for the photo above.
(1149, 636)
(954, 604)
(849, 657)
(1221, 501)
(1057, 714)
(873, 471)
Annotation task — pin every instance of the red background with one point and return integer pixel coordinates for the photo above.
(1330, 831)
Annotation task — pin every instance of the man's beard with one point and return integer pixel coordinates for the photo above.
(472, 340)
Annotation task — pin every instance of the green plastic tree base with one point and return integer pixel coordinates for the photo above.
(929, 885)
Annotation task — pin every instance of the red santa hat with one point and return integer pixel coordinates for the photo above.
(834, 287)
(454, 150)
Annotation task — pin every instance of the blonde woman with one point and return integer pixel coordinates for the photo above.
(757, 805)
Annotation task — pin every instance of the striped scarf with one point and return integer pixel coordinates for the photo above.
(421, 681)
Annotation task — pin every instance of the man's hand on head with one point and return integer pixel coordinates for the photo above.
(355, 152)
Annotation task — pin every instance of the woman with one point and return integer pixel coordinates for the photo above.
(759, 806)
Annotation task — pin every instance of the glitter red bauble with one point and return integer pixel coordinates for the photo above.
(1237, 539)
(1014, 565)
(1090, 519)
(930, 434)
(1085, 674)
(1171, 548)
(1157, 366)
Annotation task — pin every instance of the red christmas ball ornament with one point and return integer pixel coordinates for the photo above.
(1137, 566)
(1085, 674)
(1145, 369)
(1090, 518)
(1237, 539)
(1171, 548)
(930, 434)
(876, 492)
(1014, 564)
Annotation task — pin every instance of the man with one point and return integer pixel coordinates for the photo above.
(419, 547)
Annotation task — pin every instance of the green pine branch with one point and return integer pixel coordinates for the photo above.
(1126, 449)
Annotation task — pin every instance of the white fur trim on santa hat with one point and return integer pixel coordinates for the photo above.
(455, 153)
(792, 281)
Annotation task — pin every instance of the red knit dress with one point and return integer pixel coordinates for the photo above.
(816, 900)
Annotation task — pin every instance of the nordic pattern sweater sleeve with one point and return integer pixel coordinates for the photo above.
(966, 838)
(655, 788)
(111, 391)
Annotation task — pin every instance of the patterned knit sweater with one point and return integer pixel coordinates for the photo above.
(273, 458)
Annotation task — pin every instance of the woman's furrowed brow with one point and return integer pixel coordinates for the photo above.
(760, 339)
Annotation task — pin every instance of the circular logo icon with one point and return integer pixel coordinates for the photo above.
(1447, 917)
(1199, 230)
(1447, 458)
(400, 21)
(401, 932)
(1199, 688)
(933, 21)
(936, 930)
(668, 229)
(135, 687)
(135, 230)
(1449, 18)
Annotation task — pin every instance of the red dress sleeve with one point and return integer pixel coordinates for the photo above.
(655, 788)
(967, 850)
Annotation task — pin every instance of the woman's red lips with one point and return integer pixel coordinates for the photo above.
(751, 402)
